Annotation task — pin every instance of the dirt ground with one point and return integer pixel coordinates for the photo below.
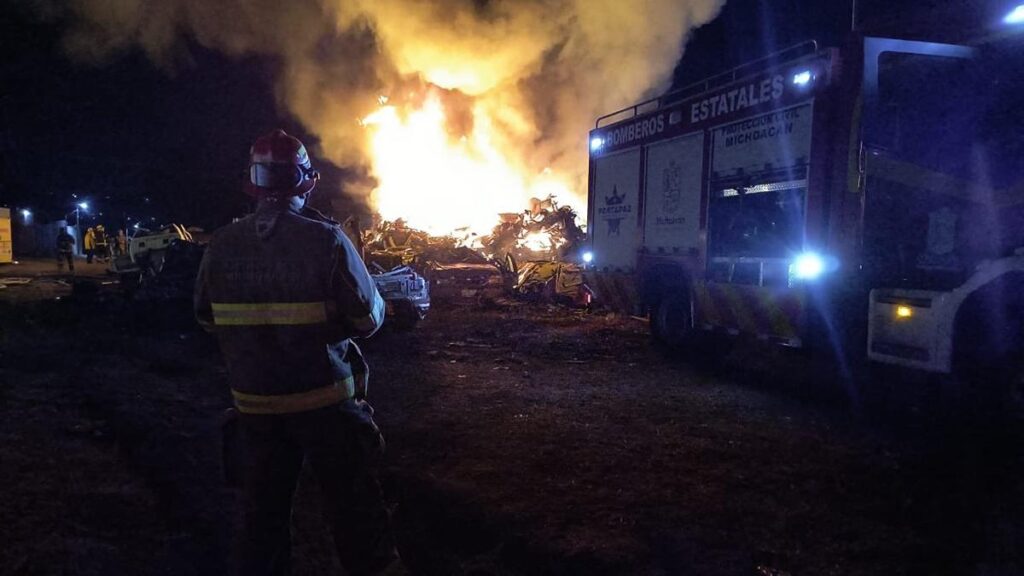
(522, 439)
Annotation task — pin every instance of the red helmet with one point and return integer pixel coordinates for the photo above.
(279, 167)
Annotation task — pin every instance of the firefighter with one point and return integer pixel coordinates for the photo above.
(285, 292)
(89, 244)
(122, 242)
(65, 249)
(102, 244)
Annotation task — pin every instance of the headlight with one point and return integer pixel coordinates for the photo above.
(588, 257)
(807, 266)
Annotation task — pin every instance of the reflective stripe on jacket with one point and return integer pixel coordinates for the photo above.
(285, 292)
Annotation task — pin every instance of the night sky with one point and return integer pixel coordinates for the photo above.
(141, 143)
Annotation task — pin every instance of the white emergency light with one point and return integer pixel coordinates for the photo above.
(588, 257)
(1016, 16)
(803, 78)
(596, 143)
(807, 266)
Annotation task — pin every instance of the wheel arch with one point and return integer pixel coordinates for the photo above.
(989, 323)
(661, 278)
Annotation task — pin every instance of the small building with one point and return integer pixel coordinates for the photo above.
(6, 245)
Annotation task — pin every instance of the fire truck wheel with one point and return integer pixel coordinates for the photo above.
(671, 322)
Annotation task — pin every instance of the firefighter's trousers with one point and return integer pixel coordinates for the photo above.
(62, 257)
(342, 445)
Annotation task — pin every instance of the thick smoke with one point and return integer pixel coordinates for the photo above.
(544, 68)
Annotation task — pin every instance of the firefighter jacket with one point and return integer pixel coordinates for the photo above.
(65, 242)
(89, 240)
(285, 292)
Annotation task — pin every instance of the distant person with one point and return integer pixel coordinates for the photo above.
(65, 250)
(285, 291)
(102, 244)
(89, 244)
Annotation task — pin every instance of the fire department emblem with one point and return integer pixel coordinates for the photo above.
(613, 209)
(671, 187)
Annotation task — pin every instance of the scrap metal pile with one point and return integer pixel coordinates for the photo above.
(531, 253)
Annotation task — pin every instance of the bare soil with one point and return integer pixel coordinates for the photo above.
(522, 439)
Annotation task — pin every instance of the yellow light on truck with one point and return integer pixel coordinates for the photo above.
(904, 311)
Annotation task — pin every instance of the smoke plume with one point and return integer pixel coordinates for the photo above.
(544, 69)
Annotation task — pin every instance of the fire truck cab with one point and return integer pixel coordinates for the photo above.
(819, 197)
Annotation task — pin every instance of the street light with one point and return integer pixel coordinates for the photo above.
(79, 207)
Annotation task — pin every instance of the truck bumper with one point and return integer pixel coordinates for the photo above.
(911, 328)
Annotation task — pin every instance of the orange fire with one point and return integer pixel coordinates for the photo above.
(444, 182)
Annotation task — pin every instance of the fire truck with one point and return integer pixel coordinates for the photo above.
(839, 199)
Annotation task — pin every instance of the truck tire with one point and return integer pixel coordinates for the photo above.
(672, 320)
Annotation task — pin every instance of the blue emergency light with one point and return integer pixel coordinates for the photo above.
(1016, 16)
(596, 143)
(803, 78)
(807, 266)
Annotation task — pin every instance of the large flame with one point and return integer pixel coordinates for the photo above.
(442, 182)
(502, 89)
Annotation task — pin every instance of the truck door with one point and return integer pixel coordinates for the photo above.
(924, 226)
(756, 225)
(616, 204)
(675, 169)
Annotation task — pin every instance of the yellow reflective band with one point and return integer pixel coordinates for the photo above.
(374, 318)
(741, 313)
(291, 403)
(269, 313)
(706, 309)
(776, 315)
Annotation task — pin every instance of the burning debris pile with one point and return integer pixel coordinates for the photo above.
(527, 253)
(546, 231)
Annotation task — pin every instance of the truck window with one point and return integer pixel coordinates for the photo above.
(928, 110)
(763, 220)
(754, 229)
(926, 219)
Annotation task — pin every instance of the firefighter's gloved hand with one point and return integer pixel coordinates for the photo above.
(365, 437)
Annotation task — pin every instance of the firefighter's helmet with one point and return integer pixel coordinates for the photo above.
(279, 167)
